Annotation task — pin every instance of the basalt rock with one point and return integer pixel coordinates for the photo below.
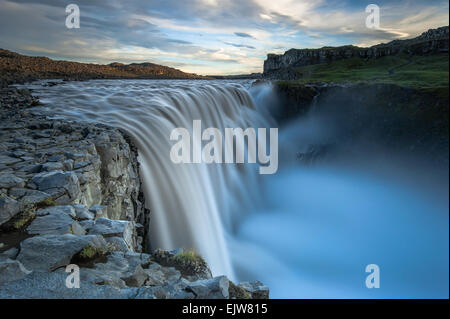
(280, 66)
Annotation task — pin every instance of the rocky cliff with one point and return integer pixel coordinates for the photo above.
(411, 121)
(280, 66)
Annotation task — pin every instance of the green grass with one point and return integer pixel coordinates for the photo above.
(408, 71)
(90, 252)
(24, 218)
(186, 257)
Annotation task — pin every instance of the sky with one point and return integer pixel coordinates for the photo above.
(208, 37)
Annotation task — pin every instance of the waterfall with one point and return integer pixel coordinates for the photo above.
(192, 206)
(308, 231)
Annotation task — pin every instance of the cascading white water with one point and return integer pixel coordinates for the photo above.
(304, 231)
(192, 205)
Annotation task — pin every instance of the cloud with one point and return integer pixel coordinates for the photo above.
(200, 35)
(243, 35)
(241, 45)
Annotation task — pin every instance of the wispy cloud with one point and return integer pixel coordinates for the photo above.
(204, 36)
(243, 35)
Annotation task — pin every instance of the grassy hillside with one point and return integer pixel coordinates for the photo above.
(403, 70)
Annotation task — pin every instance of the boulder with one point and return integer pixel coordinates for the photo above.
(82, 212)
(9, 254)
(11, 270)
(8, 209)
(47, 253)
(158, 275)
(256, 289)
(57, 222)
(8, 180)
(136, 277)
(117, 244)
(58, 180)
(114, 228)
(99, 211)
(29, 196)
(214, 288)
(119, 270)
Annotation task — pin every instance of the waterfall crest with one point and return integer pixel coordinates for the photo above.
(192, 205)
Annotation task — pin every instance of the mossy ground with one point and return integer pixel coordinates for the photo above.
(403, 70)
(90, 255)
(188, 257)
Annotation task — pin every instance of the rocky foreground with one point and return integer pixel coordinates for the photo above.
(70, 193)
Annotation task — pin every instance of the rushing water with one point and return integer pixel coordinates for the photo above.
(306, 231)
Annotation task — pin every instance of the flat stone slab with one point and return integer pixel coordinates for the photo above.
(47, 253)
(58, 179)
(55, 223)
(53, 286)
(8, 180)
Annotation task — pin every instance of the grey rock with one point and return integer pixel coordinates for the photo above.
(68, 165)
(58, 180)
(158, 275)
(87, 224)
(9, 254)
(8, 209)
(136, 278)
(117, 244)
(121, 269)
(8, 180)
(31, 168)
(82, 212)
(66, 209)
(153, 293)
(77, 229)
(256, 289)
(214, 288)
(29, 196)
(114, 228)
(51, 224)
(53, 286)
(99, 211)
(11, 270)
(47, 253)
(52, 166)
(7, 160)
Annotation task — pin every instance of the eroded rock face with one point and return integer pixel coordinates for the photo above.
(280, 65)
(67, 163)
